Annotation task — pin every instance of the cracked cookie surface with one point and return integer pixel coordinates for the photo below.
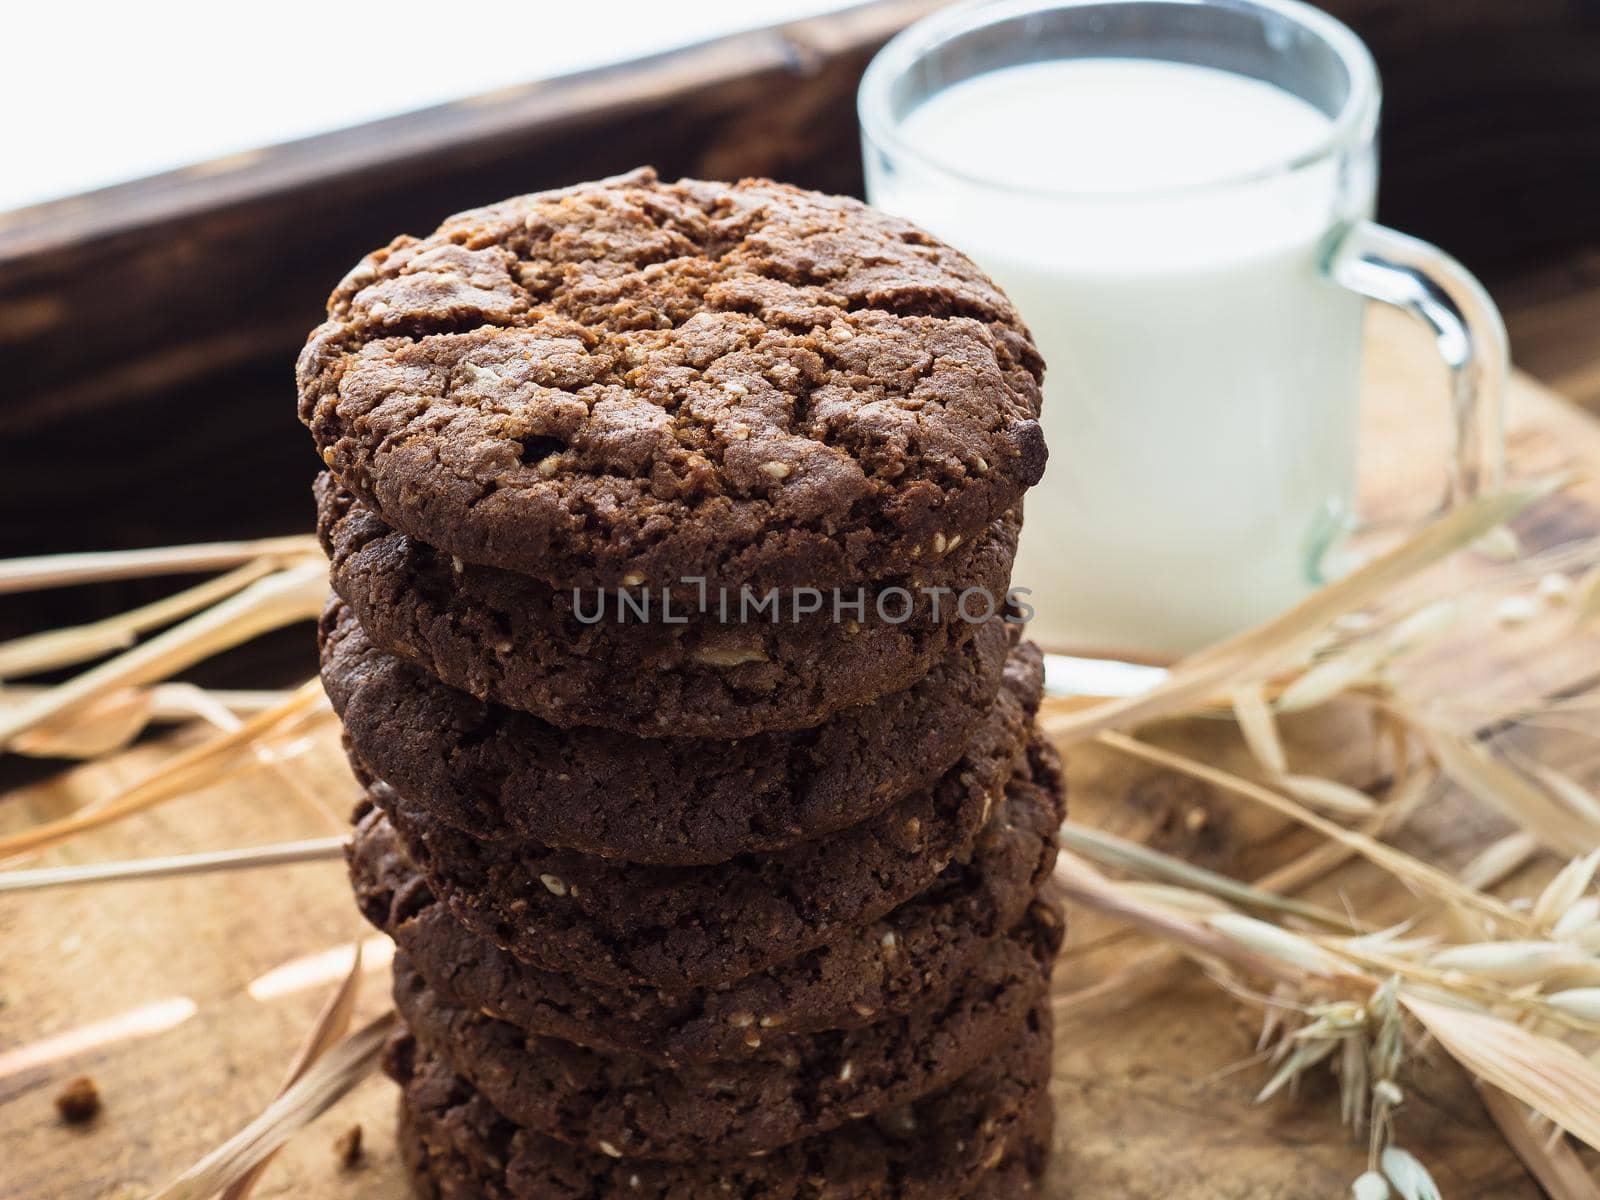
(639, 380)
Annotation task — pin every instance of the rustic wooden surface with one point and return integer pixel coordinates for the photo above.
(1154, 1094)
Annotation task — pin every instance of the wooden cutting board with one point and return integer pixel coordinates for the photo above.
(185, 999)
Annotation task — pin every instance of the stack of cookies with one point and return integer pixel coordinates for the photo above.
(671, 529)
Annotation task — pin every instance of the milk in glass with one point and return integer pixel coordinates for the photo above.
(1202, 373)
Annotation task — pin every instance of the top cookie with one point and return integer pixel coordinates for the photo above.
(636, 381)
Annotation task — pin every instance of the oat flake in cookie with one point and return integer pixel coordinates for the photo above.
(635, 380)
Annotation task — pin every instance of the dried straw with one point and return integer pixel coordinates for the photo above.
(1558, 1082)
(1250, 655)
(100, 727)
(1582, 1003)
(1587, 607)
(1399, 864)
(316, 1090)
(174, 866)
(75, 644)
(1553, 1163)
(186, 770)
(287, 596)
(1077, 880)
(1161, 965)
(1260, 728)
(1518, 962)
(1328, 794)
(1110, 850)
(171, 702)
(1329, 679)
(1565, 890)
(112, 721)
(1570, 792)
(1513, 795)
(1500, 860)
(1549, 1076)
(1409, 1176)
(1277, 943)
(66, 570)
(332, 1024)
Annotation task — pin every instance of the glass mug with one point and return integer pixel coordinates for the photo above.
(1177, 195)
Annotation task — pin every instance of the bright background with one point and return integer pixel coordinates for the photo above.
(100, 93)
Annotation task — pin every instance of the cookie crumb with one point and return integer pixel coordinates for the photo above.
(347, 1148)
(78, 1102)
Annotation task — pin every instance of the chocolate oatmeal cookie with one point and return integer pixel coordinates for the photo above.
(903, 962)
(634, 379)
(576, 658)
(698, 926)
(992, 1125)
(623, 1105)
(491, 771)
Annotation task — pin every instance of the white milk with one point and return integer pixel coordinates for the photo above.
(1201, 385)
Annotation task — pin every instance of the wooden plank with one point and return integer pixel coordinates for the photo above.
(1150, 1097)
(124, 961)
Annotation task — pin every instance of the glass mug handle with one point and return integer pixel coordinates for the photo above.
(1425, 282)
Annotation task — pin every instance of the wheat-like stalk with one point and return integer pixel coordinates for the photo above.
(1552, 1161)
(296, 593)
(322, 1083)
(66, 570)
(175, 865)
(324, 1037)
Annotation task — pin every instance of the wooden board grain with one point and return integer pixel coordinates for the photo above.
(184, 1000)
